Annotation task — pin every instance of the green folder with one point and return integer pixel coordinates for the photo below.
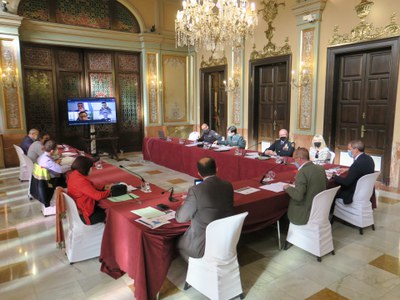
(122, 198)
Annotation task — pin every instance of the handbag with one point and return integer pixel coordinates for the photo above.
(118, 190)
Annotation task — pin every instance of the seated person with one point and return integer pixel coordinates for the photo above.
(36, 149)
(84, 193)
(363, 164)
(81, 107)
(208, 135)
(29, 139)
(47, 161)
(205, 202)
(83, 116)
(310, 180)
(318, 150)
(282, 146)
(104, 112)
(233, 139)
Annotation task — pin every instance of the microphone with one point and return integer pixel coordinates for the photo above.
(244, 152)
(170, 197)
(134, 173)
(270, 169)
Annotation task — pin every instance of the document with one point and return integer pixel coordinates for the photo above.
(274, 187)
(252, 155)
(192, 145)
(246, 190)
(123, 198)
(223, 148)
(148, 212)
(157, 221)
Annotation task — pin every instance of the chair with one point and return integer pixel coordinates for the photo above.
(315, 236)
(194, 136)
(25, 164)
(42, 190)
(82, 241)
(216, 275)
(359, 212)
(332, 157)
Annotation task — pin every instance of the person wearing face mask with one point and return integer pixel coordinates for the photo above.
(282, 146)
(84, 193)
(233, 139)
(47, 161)
(363, 164)
(309, 181)
(208, 135)
(29, 139)
(318, 150)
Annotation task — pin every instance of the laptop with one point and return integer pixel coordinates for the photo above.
(197, 181)
(161, 135)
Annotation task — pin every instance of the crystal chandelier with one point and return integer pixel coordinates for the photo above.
(210, 24)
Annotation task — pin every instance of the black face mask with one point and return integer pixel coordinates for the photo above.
(317, 144)
(206, 131)
(283, 138)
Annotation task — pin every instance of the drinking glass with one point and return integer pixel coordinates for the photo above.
(237, 151)
(99, 165)
(271, 175)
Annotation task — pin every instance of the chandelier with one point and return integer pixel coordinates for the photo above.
(210, 24)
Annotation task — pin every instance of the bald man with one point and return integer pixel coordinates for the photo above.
(208, 135)
(29, 139)
(205, 202)
(282, 146)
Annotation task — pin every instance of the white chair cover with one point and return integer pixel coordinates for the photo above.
(194, 136)
(82, 241)
(216, 275)
(25, 164)
(315, 237)
(359, 212)
(332, 157)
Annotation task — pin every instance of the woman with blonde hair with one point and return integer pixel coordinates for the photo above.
(318, 150)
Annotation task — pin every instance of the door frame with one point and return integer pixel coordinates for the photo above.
(204, 73)
(333, 64)
(253, 104)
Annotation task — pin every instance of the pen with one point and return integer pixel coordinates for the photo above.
(145, 223)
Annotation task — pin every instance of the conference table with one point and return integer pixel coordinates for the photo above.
(145, 254)
(231, 167)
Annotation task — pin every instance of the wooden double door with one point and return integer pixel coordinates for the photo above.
(53, 74)
(363, 98)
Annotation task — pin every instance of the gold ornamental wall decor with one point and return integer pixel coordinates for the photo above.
(269, 12)
(365, 31)
(212, 62)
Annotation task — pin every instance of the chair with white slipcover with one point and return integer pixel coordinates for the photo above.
(25, 164)
(359, 212)
(194, 136)
(216, 275)
(315, 237)
(82, 241)
(332, 157)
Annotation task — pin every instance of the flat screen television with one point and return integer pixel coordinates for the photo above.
(83, 111)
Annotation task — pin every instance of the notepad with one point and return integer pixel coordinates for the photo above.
(274, 187)
(148, 212)
(246, 190)
(122, 198)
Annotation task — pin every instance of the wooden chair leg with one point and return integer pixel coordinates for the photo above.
(187, 286)
(373, 227)
(333, 252)
(361, 231)
(319, 259)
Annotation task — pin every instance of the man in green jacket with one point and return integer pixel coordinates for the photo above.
(310, 180)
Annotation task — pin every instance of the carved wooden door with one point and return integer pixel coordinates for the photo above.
(273, 103)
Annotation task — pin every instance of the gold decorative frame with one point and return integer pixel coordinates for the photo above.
(152, 88)
(213, 61)
(365, 31)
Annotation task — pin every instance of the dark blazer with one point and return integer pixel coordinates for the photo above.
(210, 137)
(26, 143)
(206, 202)
(310, 180)
(363, 165)
(282, 149)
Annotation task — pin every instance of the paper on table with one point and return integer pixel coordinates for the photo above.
(246, 190)
(252, 155)
(148, 212)
(123, 198)
(192, 145)
(274, 187)
(131, 188)
(157, 221)
(223, 148)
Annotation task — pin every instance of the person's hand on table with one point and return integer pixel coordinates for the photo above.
(107, 187)
(286, 186)
(269, 152)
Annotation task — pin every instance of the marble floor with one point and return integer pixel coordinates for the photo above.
(364, 267)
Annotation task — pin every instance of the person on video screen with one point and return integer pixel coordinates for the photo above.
(83, 116)
(104, 112)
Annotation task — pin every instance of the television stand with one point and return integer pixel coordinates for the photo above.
(91, 143)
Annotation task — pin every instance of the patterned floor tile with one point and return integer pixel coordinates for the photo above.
(388, 263)
(388, 200)
(153, 172)
(14, 271)
(8, 234)
(176, 181)
(326, 294)
(5, 209)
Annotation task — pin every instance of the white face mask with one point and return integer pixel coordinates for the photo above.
(231, 134)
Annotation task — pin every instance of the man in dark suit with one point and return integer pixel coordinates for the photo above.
(282, 146)
(208, 135)
(205, 202)
(29, 139)
(362, 165)
(310, 181)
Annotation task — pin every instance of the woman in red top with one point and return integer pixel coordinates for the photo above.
(82, 190)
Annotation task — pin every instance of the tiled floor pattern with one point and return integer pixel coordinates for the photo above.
(364, 267)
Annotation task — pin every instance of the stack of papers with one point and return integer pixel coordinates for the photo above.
(222, 148)
(123, 198)
(153, 218)
(192, 145)
(252, 155)
(246, 190)
(274, 187)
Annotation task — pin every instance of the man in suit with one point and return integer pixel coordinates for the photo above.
(310, 180)
(233, 139)
(282, 146)
(362, 165)
(29, 139)
(208, 135)
(205, 202)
